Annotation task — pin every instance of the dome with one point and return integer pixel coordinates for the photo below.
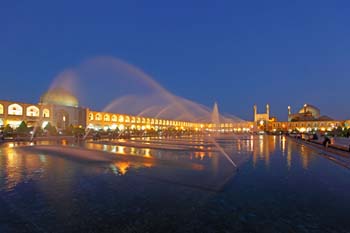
(308, 108)
(59, 96)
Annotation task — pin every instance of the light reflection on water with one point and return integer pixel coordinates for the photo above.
(274, 172)
(259, 148)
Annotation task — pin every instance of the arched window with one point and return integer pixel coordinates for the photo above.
(98, 117)
(1, 109)
(33, 111)
(106, 117)
(133, 119)
(91, 116)
(121, 119)
(46, 112)
(127, 119)
(15, 109)
(114, 118)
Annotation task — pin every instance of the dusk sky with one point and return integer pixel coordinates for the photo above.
(238, 54)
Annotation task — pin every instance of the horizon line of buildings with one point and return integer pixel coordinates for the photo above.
(61, 109)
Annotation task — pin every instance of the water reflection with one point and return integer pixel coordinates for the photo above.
(263, 147)
(120, 168)
(54, 192)
(16, 168)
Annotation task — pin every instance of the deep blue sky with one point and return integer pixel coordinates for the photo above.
(234, 52)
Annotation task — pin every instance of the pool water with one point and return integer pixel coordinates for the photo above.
(280, 186)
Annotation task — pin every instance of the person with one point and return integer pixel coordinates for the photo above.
(326, 141)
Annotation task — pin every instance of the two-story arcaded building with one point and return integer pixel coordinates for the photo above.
(61, 109)
(57, 106)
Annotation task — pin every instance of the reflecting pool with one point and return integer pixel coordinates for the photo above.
(182, 185)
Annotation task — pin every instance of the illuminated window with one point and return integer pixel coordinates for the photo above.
(91, 116)
(98, 117)
(121, 119)
(106, 117)
(127, 119)
(1, 109)
(114, 118)
(46, 112)
(15, 109)
(33, 111)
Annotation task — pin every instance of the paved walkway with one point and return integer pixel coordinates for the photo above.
(337, 142)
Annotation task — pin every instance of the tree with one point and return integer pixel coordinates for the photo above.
(38, 131)
(8, 130)
(22, 128)
(51, 129)
(69, 130)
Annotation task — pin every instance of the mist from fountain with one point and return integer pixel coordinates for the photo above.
(123, 88)
(112, 85)
(215, 120)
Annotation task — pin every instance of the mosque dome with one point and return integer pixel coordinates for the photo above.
(310, 109)
(59, 96)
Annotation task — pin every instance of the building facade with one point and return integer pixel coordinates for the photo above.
(62, 109)
(307, 119)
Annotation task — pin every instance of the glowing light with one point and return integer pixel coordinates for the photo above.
(33, 111)
(148, 153)
(122, 167)
(121, 149)
(44, 124)
(15, 109)
(14, 124)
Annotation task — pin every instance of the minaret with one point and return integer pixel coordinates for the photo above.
(289, 111)
(255, 112)
(268, 111)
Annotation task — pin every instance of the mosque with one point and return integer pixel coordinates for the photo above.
(307, 119)
(61, 108)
